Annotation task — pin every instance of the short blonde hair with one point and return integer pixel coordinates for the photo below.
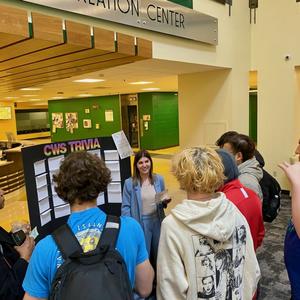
(198, 170)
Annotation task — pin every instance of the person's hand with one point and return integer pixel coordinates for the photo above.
(25, 250)
(291, 171)
(20, 225)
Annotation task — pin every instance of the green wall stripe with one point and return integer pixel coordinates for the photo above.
(186, 3)
(30, 28)
(65, 35)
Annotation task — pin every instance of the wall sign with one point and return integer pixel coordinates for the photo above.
(156, 15)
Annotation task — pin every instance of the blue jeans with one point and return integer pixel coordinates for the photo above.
(151, 226)
(292, 260)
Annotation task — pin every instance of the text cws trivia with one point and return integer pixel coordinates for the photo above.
(75, 146)
(155, 13)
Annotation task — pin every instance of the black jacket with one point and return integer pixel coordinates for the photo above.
(12, 270)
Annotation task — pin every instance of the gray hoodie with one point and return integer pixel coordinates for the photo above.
(250, 175)
(206, 252)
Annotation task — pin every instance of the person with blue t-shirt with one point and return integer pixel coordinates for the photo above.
(82, 176)
(292, 237)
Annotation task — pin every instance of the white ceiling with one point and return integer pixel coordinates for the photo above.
(163, 74)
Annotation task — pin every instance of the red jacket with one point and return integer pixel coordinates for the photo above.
(249, 205)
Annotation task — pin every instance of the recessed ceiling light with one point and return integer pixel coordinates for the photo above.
(29, 96)
(141, 82)
(151, 89)
(57, 97)
(30, 89)
(88, 80)
(39, 104)
(9, 98)
(35, 99)
(85, 95)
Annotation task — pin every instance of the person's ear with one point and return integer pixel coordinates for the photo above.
(238, 157)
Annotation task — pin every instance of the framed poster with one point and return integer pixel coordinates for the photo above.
(71, 121)
(109, 115)
(87, 123)
(57, 121)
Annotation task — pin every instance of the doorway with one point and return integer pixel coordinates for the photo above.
(130, 120)
(133, 133)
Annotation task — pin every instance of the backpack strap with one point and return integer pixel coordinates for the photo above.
(66, 241)
(110, 233)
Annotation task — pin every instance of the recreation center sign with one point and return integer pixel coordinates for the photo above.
(156, 15)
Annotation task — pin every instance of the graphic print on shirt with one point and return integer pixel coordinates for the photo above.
(87, 238)
(219, 266)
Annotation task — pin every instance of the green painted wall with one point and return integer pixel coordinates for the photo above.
(96, 106)
(187, 3)
(145, 107)
(253, 116)
(163, 128)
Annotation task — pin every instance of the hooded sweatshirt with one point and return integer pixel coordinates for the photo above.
(250, 175)
(249, 205)
(206, 252)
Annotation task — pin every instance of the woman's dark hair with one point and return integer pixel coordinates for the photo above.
(224, 255)
(136, 173)
(242, 143)
(224, 138)
(82, 176)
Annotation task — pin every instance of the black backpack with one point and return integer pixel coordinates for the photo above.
(271, 196)
(94, 275)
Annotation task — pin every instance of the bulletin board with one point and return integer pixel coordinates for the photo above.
(47, 210)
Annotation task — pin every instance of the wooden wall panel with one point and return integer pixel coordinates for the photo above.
(125, 44)
(78, 39)
(59, 66)
(78, 34)
(13, 25)
(47, 77)
(43, 37)
(48, 56)
(12, 66)
(104, 39)
(144, 48)
(47, 28)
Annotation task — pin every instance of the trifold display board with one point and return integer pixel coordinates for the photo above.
(46, 210)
